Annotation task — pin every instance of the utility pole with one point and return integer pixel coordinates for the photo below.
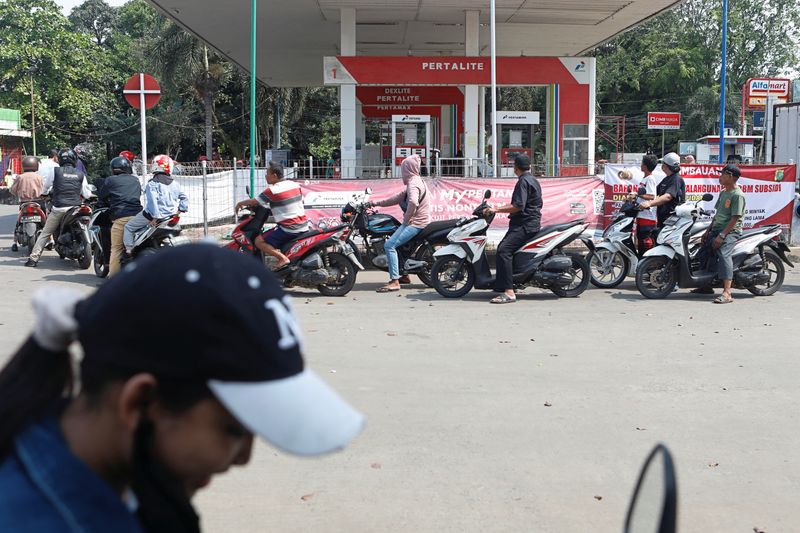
(33, 116)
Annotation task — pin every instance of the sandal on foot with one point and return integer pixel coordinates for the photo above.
(503, 299)
(722, 299)
(388, 289)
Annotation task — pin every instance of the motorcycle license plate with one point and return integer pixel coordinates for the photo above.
(30, 219)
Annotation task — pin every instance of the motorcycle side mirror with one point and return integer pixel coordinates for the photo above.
(707, 197)
(654, 505)
(487, 194)
(92, 188)
(368, 190)
(247, 189)
(642, 191)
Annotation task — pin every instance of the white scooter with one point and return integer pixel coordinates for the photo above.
(757, 258)
(616, 257)
(541, 262)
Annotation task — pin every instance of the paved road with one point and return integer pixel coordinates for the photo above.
(460, 438)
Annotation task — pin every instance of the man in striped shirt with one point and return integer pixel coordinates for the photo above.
(285, 199)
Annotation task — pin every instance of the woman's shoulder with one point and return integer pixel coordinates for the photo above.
(23, 507)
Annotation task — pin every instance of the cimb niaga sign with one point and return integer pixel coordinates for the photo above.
(663, 121)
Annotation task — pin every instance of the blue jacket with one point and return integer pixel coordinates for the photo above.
(163, 198)
(44, 488)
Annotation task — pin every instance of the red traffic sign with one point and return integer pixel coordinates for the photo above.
(142, 84)
(663, 121)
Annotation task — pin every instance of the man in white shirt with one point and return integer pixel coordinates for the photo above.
(48, 166)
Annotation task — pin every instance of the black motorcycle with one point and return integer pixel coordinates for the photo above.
(72, 239)
(374, 228)
(100, 231)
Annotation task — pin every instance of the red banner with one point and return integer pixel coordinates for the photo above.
(564, 199)
(768, 190)
(410, 96)
(663, 121)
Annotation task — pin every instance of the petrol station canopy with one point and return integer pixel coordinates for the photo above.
(295, 35)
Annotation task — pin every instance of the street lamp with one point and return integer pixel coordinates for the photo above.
(722, 80)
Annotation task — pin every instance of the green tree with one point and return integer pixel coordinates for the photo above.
(96, 18)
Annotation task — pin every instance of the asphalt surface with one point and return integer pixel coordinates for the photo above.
(534, 416)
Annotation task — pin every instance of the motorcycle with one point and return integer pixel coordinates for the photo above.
(72, 239)
(541, 262)
(415, 257)
(100, 232)
(757, 258)
(616, 257)
(150, 239)
(320, 259)
(30, 221)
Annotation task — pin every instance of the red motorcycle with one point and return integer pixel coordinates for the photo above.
(319, 259)
(30, 222)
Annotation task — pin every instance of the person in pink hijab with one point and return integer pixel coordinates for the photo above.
(416, 206)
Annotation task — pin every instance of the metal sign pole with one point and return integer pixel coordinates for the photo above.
(495, 143)
(662, 142)
(253, 35)
(143, 120)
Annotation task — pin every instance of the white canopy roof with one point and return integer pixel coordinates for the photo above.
(294, 35)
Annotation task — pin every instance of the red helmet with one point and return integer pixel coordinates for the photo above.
(162, 164)
(127, 154)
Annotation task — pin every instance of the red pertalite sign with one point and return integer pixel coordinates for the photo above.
(663, 121)
(138, 84)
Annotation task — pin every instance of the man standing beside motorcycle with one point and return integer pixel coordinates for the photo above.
(285, 198)
(163, 198)
(725, 230)
(121, 192)
(523, 223)
(67, 189)
(415, 204)
(670, 192)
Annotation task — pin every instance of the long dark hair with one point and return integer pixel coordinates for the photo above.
(30, 385)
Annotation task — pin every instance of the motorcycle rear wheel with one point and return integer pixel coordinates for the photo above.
(85, 260)
(617, 264)
(452, 277)
(30, 242)
(346, 278)
(773, 265)
(582, 274)
(656, 277)
(426, 254)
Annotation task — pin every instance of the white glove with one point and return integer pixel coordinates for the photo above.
(56, 326)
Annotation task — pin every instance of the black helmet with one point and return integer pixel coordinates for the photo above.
(82, 153)
(30, 163)
(120, 165)
(67, 156)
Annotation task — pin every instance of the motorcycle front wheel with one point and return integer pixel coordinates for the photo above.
(773, 266)
(581, 274)
(345, 275)
(452, 277)
(608, 268)
(656, 277)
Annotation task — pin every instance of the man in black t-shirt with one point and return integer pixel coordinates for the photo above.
(524, 222)
(671, 192)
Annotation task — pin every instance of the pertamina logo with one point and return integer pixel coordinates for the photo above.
(580, 67)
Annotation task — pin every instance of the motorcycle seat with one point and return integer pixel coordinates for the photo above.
(433, 227)
(558, 227)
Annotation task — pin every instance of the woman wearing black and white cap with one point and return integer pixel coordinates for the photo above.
(163, 403)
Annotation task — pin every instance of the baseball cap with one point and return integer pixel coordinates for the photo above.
(671, 159)
(199, 313)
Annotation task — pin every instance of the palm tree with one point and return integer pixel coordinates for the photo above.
(182, 60)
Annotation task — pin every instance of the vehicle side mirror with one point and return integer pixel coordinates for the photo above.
(247, 189)
(707, 197)
(487, 194)
(654, 506)
(368, 190)
(92, 188)
(642, 190)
